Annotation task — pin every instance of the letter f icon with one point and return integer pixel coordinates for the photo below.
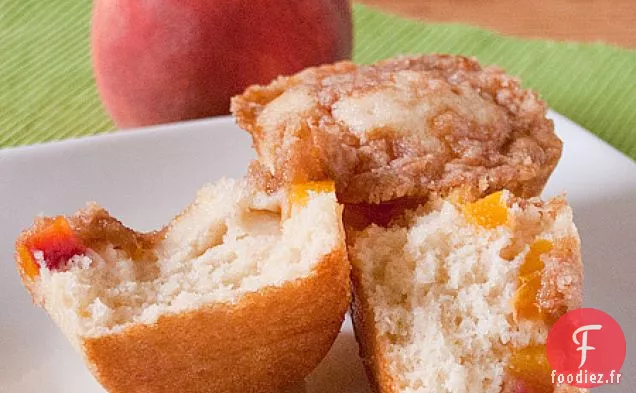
(583, 344)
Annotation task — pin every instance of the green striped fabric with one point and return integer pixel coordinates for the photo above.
(47, 91)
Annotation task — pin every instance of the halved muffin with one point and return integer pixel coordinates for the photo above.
(401, 128)
(241, 292)
(459, 297)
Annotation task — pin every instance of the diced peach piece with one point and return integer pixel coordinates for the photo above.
(299, 193)
(57, 242)
(488, 212)
(530, 367)
(525, 299)
(532, 263)
(28, 263)
(530, 281)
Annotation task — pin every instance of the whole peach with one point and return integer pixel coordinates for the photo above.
(159, 61)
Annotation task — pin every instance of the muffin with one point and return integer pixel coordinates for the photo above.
(242, 292)
(459, 297)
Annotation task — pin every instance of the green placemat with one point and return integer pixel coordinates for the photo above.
(47, 91)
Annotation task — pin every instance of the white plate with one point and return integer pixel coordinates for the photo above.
(146, 177)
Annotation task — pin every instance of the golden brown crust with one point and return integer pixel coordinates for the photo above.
(27, 281)
(562, 279)
(96, 228)
(265, 342)
(372, 352)
(510, 145)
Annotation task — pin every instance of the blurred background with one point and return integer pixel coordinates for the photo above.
(570, 20)
(81, 67)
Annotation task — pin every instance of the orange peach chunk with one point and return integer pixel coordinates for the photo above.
(57, 242)
(530, 281)
(530, 367)
(488, 212)
(28, 263)
(299, 193)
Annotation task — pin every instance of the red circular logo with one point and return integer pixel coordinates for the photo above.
(586, 348)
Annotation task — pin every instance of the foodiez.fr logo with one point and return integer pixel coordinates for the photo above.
(586, 348)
